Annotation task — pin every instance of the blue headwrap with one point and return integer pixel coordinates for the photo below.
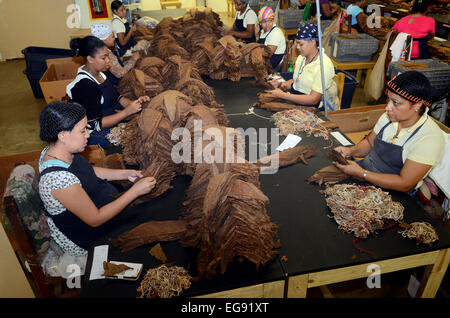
(245, 1)
(308, 32)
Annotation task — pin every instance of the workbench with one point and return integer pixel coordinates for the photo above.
(313, 251)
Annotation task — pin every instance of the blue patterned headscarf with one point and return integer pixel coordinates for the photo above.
(308, 32)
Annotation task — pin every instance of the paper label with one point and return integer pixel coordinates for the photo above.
(339, 137)
(100, 256)
(290, 142)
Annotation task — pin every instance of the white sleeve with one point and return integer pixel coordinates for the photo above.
(250, 18)
(117, 27)
(276, 38)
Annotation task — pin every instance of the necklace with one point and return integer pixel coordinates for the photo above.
(312, 58)
(58, 158)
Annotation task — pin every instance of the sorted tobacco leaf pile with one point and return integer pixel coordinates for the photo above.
(414, 65)
(224, 213)
(298, 120)
(361, 210)
(386, 25)
(164, 282)
(423, 232)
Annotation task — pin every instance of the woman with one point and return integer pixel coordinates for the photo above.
(327, 9)
(121, 27)
(76, 196)
(105, 107)
(272, 36)
(117, 68)
(421, 28)
(305, 88)
(404, 144)
(245, 22)
(358, 16)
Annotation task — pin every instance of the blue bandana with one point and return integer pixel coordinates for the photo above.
(308, 32)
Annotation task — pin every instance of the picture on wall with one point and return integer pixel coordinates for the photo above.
(98, 9)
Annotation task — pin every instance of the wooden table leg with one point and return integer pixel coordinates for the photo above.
(369, 71)
(359, 75)
(297, 286)
(433, 275)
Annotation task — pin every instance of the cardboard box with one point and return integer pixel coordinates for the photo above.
(357, 119)
(56, 78)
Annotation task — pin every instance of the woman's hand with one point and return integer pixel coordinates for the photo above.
(133, 107)
(352, 169)
(344, 151)
(132, 175)
(143, 99)
(276, 92)
(143, 186)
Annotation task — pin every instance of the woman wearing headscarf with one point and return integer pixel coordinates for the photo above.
(105, 107)
(244, 23)
(117, 68)
(77, 196)
(272, 36)
(305, 87)
(405, 143)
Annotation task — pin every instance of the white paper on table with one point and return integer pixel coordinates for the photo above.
(290, 142)
(339, 137)
(100, 256)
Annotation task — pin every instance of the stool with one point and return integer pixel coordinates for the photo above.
(165, 4)
(230, 8)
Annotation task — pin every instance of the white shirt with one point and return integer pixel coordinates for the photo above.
(250, 17)
(118, 25)
(276, 38)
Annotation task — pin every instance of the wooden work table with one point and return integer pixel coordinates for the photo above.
(313, 251)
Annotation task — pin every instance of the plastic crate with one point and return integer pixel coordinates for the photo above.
(353, 50)
(254, 5)
(350, 84)
(290, 19)
(35, 59)
(438, 73)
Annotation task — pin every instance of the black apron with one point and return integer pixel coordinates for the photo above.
(276, 59)
(131, 42)
(239, 24)
(385, 157)
(423, 48)
(100, 191)
(109, 105)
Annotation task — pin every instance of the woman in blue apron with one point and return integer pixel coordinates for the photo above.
(117, 67)
(105, 107)
(304, 86)
(405, 144)
(121, 27)
(77, 196)
(245, 22)
(272, 36)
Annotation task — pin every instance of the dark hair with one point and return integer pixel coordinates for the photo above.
(420, 6)
(87, 46)
(413, 86)
(115, 5)
(57, 117)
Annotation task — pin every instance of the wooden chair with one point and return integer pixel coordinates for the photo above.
(170, 3)
(43, 286)
(339, 79)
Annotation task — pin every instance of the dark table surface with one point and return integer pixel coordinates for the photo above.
(310, 240)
